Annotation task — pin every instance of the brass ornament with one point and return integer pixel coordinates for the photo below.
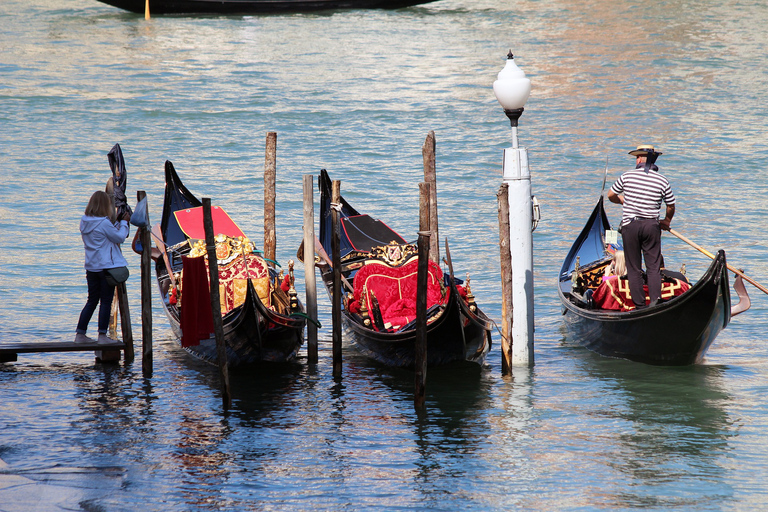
(470, 298)
(292, 295)
(395, 254)
(227, 248)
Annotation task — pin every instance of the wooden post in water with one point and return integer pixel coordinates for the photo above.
(506, 279)
(309, 267)
(125, 318)
(146, 9)
(218, 326)
(112, 330)
(420, 350)
(146, 295)
(270, 172)
(336, 262)
(430, 176)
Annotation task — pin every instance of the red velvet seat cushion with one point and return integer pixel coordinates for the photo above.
(395, 290)
(613, 293)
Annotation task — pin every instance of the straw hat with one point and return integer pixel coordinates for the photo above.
(643, 150)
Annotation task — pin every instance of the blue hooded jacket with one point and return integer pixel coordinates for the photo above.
(102, 241)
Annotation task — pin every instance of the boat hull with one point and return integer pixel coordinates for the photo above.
(457, 334)
(254, 6)
(247, 338)
(252, 332)
(672, 333)
(679, 334)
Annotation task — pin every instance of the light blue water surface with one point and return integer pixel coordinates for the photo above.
(356, 92)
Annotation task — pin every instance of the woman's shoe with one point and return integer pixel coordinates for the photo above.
(82, 338)
(105, 340)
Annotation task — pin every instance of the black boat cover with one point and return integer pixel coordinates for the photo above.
(364, 233)
(120, 178)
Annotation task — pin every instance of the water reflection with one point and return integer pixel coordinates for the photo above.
(449, 433)
(674, 427)
(201, 456)
(108, 403)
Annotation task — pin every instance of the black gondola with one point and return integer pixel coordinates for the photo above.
(457, 330)
(254, 331)
(254, 6)
(677, 331)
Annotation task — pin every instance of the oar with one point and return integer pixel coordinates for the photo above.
(709, 254)
(157, 236)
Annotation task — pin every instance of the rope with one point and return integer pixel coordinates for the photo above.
(273, 261)
(307, 317)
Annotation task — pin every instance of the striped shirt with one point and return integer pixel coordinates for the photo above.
(643, 193)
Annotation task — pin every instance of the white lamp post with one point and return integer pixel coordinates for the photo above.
(512, 89)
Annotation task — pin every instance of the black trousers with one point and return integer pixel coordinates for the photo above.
(100, 293)
(642, 240)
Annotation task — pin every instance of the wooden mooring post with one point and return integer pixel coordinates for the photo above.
(420, 350)
(506, 279)
(336, 263)
(218, 326)
(146, 297)
(309, 268)
(108, 355)
(270, 197)
(430, 176)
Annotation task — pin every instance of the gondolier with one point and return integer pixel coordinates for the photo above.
(641, 192)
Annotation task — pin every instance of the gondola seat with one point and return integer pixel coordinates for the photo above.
(394, 289)
(613, 293)
(233, 281)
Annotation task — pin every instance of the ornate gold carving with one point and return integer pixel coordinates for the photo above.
(292, 295)
(227, 248)
(364, 307)
(395, 254)
(470, 298)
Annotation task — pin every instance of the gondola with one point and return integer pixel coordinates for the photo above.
(235, 7)
(676, 331)
(262, 321)
(378, 313)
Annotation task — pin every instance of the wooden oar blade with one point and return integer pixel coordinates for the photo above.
(712, 256)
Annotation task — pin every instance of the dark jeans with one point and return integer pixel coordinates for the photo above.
(99, 291)
(642, 240)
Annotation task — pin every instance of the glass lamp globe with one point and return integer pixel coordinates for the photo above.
(512, 89)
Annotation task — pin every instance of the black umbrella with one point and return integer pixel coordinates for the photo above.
(120, 178)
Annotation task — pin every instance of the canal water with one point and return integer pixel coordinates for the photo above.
(357, 92)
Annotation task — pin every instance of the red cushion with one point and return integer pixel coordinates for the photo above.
(613, 293)
(395, 289)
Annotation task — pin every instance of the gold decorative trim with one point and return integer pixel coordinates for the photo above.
(395, 254)
(227, 248)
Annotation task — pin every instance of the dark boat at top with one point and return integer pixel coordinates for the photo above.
(378, 309)
(254, 6)
(676, 331)
(262, 321)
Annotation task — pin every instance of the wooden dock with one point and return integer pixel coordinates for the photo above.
(105, 352)
(9, 351)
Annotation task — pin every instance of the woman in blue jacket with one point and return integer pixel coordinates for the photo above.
(102, 236)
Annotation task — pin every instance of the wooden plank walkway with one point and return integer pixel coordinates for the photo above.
(9, 351)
